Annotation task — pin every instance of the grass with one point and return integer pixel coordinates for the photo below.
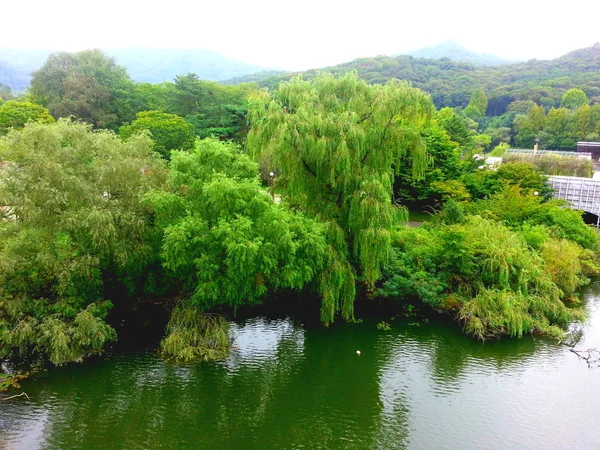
(419, 216)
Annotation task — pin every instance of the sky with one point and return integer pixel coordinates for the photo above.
(304, 34)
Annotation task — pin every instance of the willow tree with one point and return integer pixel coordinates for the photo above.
(336, 144)
(228, 244)
(74, 239)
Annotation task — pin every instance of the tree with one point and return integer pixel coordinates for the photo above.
(582, 121)
(559, 130)
(525, 176)
(75, 239)
(444, 163)
(88, 85)
(14, 114)
(479, 101)
(153, 97)
(189, 94)
(337, 143)
(213, 109)
(529, 127)
(169, 132)
(455, 126)
(229, 244)
(573, 99)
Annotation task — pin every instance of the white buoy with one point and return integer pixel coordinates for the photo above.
(358, 352)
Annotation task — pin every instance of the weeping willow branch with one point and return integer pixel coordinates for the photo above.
(338, 142)
(194, 335)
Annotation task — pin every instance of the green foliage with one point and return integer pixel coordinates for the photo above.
(494, 313)
(509, 206)
(229, 244)
(566, 223)
(384, 326)
(87, 85)
(168, 131)
(455, 126)
(523, 175)
(37, 330)
(12, 380)
(558, 132)
(193, 335)
(451, 84)
(529, 128)
(563, 260)
(74, 231)
(5, 93)
(507, 92)
(451, 190)
(500, 149)
(337, 143)
(479, 101)
(444, 164)
(14, 114)
(573, 99)
(153, 97)
(213, 109)
(483, 182)
(453, 212)
(555, 165)
(481, 143)
(488, 273)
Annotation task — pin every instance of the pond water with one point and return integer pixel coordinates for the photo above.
(286, 386)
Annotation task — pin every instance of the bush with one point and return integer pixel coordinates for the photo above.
(554, 164)
(497, 282)
(494, 313)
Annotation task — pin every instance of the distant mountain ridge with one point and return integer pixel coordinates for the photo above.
(451, 83)
(455, 52)
(158, 65)
(143, 65)
(17, 80)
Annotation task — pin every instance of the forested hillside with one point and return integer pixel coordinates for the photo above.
(454, 51)
(452, 83)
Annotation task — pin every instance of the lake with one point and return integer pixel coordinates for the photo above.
(289, 386)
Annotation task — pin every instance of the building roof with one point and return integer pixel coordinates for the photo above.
(564, 154)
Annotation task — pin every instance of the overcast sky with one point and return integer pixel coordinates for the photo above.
(304, 34)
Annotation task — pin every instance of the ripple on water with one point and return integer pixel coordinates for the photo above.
(427, 387)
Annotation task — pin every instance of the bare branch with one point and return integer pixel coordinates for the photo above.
(15, 396)
(591, 356)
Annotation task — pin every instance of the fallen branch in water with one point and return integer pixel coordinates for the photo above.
(591, 356)
(15, 396)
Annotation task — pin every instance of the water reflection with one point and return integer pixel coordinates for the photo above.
(286, 387)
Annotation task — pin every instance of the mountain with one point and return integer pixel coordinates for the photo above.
(456, 52)
(254, 77)
(451, 83)
(143, 65)
(158, 65)
(17, 80)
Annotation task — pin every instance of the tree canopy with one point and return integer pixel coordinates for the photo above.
(168, 131)
(15, 114)
(73, 240)
(87, 85)
(336, 143)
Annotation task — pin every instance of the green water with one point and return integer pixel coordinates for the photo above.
(289, 387)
